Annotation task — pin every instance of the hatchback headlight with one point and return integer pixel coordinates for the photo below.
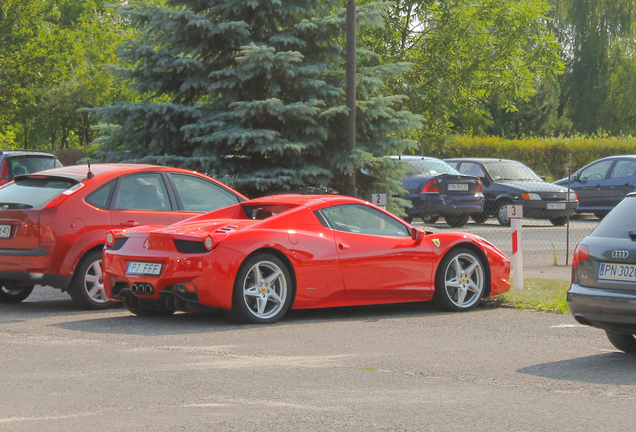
(531, 196)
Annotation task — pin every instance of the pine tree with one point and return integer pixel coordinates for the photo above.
(252, 92)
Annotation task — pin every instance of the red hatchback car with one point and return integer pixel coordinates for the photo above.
(53, 223)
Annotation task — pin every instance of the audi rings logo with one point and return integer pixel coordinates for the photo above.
(620, 254)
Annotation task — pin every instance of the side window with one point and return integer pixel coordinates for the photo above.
(99, 198)
(453, 164)
(623, 168)
(145, 191)
(473, 169)
(362, 219)
(596, 171)
(200, 195)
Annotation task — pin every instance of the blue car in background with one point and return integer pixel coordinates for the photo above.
(438, 190)
(602, 184)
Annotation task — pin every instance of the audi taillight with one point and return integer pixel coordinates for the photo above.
(431, 186)
(581, 253)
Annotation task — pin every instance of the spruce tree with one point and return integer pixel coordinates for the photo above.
(253, 93)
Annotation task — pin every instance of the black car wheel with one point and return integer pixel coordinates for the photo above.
(623, 341)
(87, 285)
(14, 292)
(558, 221)
(479, 218)
(600, 214)
(263, 290)
(460, 281)
(502, 212)
(457, 221)
(429, 219)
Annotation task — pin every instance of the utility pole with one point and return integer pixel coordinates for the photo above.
(350, 179)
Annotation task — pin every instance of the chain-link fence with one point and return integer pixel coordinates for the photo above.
(474, 194)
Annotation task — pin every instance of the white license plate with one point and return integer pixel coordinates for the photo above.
(555, 206)
(617, 272)
(142, 268)
(457, 187)
(5, 231)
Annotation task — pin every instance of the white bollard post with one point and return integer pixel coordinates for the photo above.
(517, 256)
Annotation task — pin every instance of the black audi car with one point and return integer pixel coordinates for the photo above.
(511, 182)
(603, 290)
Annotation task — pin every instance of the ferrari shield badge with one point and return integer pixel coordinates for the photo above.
(436, 242)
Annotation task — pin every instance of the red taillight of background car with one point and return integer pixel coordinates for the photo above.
(431, 187)
(479, 187)
(4, 173)
(581, 253)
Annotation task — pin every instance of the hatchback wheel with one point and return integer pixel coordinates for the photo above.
(558, 221)
(429, 219)
(623, 341)
(460, 281)
(14, 292)
(479, 218)
(87, 286)
(263, 290)
(502, 213)
(457, 221)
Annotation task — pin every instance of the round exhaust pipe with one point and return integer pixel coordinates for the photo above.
(142, 289)
(133, 288)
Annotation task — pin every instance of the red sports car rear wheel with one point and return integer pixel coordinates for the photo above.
(262, 290)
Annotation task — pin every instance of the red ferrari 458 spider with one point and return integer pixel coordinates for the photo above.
(261, 257)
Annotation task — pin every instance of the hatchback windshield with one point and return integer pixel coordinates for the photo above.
(431, 167)
(32, 193)
(510, 171)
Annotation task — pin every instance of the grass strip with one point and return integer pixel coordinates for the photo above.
(547, 295)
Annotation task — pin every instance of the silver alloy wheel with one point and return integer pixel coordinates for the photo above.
(503, 214)
(464, 280)
(265, 289)
(94, 283)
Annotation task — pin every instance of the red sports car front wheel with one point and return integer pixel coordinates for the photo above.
(262, 290)
(460, 281)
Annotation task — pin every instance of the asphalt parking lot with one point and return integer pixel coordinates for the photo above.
(389, 368)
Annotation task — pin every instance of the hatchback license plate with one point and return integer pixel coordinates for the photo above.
(617, 272)
(5, 231)
(142, 268)
(555, 206)
(457, 187)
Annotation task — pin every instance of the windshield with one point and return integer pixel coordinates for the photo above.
(510, 171)
(431, 167)
(32, 193)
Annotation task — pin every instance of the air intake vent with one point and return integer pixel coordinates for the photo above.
(227, 228)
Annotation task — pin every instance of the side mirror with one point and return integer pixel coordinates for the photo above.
(417, 234)
(485, 181)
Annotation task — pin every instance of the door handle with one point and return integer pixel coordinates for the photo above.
(129, 224)
(343, 246)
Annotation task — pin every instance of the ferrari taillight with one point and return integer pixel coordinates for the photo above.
(110, 238)
(431, 186)
(208, 242)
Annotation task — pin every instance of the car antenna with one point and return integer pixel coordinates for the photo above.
(89, 174)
